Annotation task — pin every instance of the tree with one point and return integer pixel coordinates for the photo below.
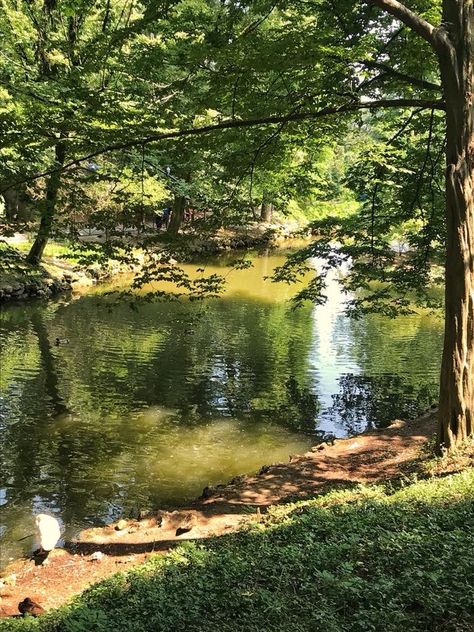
(453, 42)
(69, 81)
(288, 66)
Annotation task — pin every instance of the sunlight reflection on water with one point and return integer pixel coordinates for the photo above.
(147, 407)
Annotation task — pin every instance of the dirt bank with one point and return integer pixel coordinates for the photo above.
(367, 458)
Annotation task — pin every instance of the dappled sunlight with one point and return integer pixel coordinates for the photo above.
(145, 407)
(361, 555)
(253, 283)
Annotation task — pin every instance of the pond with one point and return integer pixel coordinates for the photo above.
(140, 408)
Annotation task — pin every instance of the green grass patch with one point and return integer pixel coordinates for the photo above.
(15, 269)
(52, 249)
(361, 560)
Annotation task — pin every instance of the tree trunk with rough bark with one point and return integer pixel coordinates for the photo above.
(266, 212)
(16, 207)
(177, 215)
(455, 47)
(47, 216)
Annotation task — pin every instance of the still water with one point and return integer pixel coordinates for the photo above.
(144, 408)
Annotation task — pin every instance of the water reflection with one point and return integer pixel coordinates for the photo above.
(364, 402)
(148, 407)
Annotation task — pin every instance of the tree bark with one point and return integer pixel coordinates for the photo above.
(36, 252)
(266, 212)
(14, 204)
(177, 215)
(455, 47)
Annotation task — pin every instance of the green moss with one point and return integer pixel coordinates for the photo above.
(358, 560)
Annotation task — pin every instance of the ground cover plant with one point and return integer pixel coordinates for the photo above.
(367, 558)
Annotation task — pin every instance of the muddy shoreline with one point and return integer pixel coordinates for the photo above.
(99, 552)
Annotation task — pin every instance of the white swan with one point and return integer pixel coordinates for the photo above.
(48, 531)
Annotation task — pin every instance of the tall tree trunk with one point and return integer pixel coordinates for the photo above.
(10, 197)
(456, 55)
(266, 212)
(47, 216)
(15, 204)
(177, 214)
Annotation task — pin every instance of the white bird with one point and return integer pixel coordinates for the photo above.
(48, 531)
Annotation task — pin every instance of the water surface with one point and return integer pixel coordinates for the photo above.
(139, 408)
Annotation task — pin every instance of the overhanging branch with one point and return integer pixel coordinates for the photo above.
(240, 124)
(408, 17)
(421, 83)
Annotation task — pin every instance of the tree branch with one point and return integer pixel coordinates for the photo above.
(239, 124)
(422, 83)
(416, 23)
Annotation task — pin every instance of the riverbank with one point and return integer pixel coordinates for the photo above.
(56, 275)
(395, 453)
(60, 273)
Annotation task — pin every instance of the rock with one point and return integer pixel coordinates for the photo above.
(97, 556)
(144, 513)
(238, 479)
(121, 525)
(187, 523)
(207, 492)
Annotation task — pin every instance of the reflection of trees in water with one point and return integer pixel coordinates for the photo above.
(407, 345)
(73, 408)
(48, 363)
(297, 405)
(234, 361)
(365, 401)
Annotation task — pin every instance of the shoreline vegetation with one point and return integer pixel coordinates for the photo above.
(60, 274)
(333, 491)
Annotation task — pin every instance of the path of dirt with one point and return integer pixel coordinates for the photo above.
(370, 457)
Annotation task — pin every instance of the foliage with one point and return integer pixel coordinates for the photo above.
(185, 64)
(371, 558)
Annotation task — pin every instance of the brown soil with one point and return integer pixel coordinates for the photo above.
(367, 458)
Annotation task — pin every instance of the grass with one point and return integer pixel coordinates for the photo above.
(15, 269)
(456, 460)
(53, 249)
(367, 559)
